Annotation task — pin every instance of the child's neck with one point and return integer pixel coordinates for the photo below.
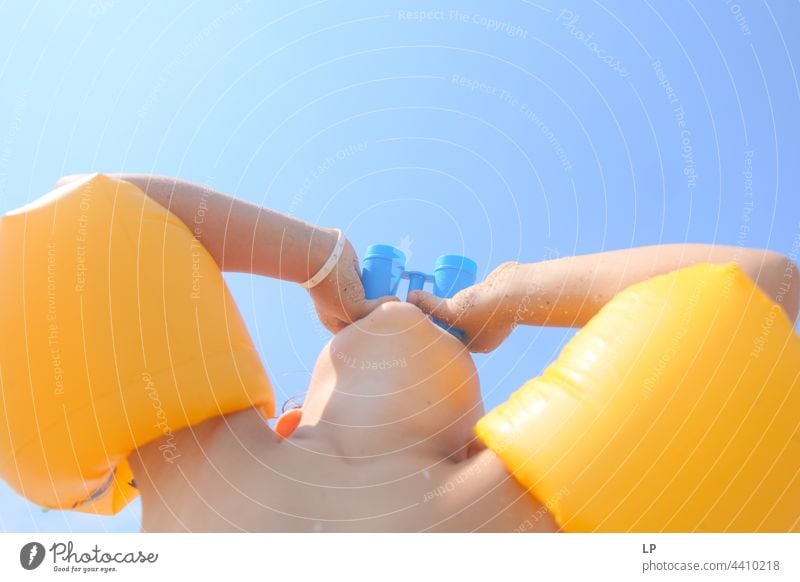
(362, 445)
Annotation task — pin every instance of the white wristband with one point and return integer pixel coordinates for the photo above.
(326, 269)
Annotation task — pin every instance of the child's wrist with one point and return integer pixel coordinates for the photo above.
(323, 258)
(321, 242)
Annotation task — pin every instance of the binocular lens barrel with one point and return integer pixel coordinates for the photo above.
(382, 269)
(453, 273)
(384, 265)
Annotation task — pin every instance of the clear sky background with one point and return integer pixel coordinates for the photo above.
(498, 130)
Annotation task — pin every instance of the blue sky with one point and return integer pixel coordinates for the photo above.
(503, 130)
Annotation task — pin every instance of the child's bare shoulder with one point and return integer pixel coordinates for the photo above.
(483, 496)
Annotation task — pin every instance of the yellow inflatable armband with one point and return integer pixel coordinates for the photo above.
(117, 328)
(676, 409)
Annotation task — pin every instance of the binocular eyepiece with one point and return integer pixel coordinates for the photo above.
(384, 266)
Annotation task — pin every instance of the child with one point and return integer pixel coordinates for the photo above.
(383, 441)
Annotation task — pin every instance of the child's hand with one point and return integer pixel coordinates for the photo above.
(339, 298)
(485, 311)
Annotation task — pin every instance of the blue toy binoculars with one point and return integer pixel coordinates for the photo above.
(384, 266)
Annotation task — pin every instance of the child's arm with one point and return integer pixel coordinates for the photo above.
(240, 236)
(567, 292)
(246, 238)
(575, 288)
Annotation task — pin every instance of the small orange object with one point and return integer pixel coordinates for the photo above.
(288, 422)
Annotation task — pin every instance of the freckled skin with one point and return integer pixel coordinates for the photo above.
(376, 449)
